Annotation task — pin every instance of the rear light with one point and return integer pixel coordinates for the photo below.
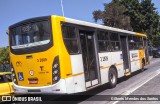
(55, 78)
(55, 70)
(13, 75)
(55, 66)
(57, 89)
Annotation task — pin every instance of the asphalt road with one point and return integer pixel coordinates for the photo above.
(150, 88)
(140, 83)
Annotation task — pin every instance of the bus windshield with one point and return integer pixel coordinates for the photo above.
(30, 35)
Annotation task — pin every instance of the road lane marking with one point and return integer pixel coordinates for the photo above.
(128, 92)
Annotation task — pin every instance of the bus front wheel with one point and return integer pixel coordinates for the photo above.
(112, 77)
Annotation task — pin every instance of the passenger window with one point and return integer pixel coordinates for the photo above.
(70, 39)
(102, 35)
(140, 43)
(115, 42)
(135, 42)
(102, 45)
(131, 46)
(68, 32)
(131, 42)
(103, 41)
(114, 37)
(117, 46)
(135, 38)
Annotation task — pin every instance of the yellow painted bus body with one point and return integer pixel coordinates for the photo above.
(22, 64)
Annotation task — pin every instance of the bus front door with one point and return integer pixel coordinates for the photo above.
(89, 57)
(125, 54)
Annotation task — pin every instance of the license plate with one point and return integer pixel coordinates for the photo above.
(33, 81)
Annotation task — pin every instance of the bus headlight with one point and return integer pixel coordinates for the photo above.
(56, 70)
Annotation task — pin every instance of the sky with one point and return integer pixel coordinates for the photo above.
(12, 11)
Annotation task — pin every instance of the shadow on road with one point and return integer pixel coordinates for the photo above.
(72, 98)
(79, 97)
(132, 75)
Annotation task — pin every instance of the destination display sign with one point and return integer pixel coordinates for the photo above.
(29, 28)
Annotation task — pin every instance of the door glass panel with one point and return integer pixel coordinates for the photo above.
(84, 55)
(125, 52)
(88, 54)
(91, 61)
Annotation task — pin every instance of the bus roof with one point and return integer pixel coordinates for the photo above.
(83, 23)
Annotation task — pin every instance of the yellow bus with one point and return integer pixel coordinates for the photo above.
(59, 55)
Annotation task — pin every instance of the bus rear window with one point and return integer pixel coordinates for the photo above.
(29, 35)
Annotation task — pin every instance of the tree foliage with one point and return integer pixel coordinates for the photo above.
(143, 15)
(145, 19)
(113, 15)
(4, 57)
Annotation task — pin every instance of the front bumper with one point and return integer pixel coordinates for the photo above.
(58, 88)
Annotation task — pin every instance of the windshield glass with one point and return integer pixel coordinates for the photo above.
(30, 35)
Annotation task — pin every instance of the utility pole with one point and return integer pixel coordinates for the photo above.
(62, 8)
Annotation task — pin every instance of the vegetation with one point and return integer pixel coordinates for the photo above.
(4, 58)
(144, 17)
(137, 15)
(113, 15)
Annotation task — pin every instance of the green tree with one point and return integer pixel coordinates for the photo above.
(4, 57)
(144, 17)
(133, 11)
(113, 15)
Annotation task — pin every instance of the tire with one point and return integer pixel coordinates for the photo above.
(112, 77)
